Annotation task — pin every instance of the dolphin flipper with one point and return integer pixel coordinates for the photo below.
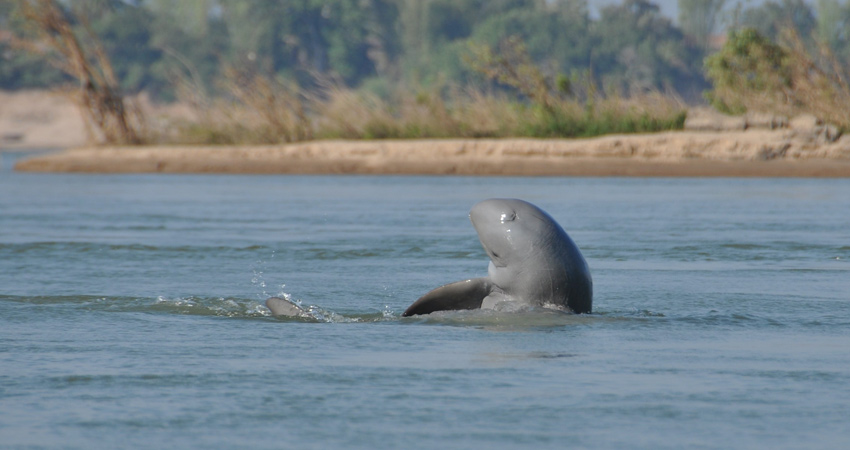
(282, 307)
(467, 294)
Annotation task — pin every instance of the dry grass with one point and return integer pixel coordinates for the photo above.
(254, 109)
(820, 82)
(341, 113)
(564, 106)
(359, 115)
(263, 110)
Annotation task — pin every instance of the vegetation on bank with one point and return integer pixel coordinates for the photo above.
(269, 72)
(346, 114)
(263, 110)
(751, 72)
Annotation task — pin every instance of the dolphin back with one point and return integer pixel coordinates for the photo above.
(283, 307)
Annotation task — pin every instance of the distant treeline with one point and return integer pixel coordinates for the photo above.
(379, 45)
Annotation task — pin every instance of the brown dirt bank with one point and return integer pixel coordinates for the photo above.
(743, 153)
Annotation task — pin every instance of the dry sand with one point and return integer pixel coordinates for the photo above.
(806, 150)
(39, 119)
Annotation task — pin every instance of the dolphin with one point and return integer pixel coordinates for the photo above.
(533, 262)
(283, 307)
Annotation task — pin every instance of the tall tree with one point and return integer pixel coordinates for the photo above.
(637, 49)
(833, 27)
(435, 33)
(556, 34)
(125, 31)
(699, 19)
(192, 15)
(772, 17)
(79, 53)
(352, 40)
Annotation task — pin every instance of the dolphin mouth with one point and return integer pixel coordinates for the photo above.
(494, 258)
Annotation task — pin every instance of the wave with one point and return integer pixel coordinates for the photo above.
(521, 319)
(730, 319)
(514, 320)
(200, 306)
(233, 307)
(245, 308)
(722, 252)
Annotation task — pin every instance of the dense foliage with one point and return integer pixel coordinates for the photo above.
(572, 73)
(376, 43)
(749, 62)
(751, 72)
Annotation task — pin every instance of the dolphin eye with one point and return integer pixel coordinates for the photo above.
(508, 217)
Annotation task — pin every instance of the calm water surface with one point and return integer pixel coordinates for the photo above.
(131, 315)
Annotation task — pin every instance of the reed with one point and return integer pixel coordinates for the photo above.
(427, 114)
(259, 109)
(341, 113)
(562, 106)
(650, 112)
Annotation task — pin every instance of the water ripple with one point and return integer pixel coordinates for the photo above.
(85, 247)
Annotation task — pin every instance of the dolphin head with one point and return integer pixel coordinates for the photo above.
(510, 229)
(532, 261)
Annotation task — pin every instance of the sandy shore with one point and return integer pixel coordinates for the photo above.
(39, 119)
(745, 153)
(724, 147)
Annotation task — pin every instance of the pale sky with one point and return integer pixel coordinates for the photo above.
(670, 8)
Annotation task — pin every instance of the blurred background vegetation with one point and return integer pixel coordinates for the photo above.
(301, 69)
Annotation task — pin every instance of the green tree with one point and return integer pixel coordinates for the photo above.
(749, 65)
(770, 18)
(18, 67)
(348, 39)
(192, 15)
(833, 27)
(753, 72)
(699, 18)
(125, 31)
(435, 34)
(193, 42)
(637, 49)
(556, 34)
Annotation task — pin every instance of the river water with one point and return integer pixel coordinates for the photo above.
(131, 315)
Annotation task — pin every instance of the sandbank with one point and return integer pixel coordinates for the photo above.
(755, 153)
(712, 145)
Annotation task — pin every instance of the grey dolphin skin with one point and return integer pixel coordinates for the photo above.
(532, 262)
(283, 307)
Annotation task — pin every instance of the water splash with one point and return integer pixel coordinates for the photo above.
(209, 306)
(388, 313)
(315, 313)
(258, 278)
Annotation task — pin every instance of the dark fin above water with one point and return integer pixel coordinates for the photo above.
(283, 307)
(467, 294)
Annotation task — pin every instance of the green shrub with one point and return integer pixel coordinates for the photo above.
(752, 73)
(749, 68)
